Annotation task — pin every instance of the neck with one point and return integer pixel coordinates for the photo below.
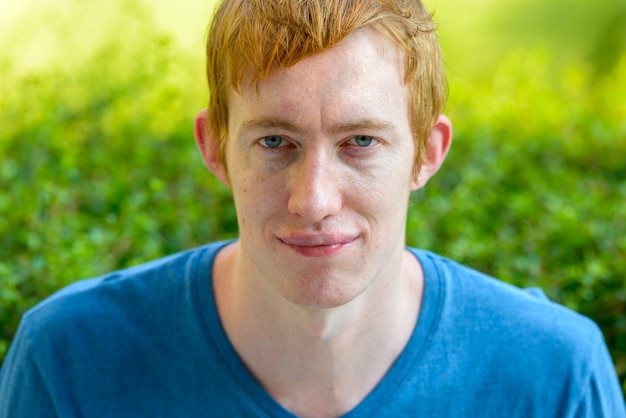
(313, 361)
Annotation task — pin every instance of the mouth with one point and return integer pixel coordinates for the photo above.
(317, 245)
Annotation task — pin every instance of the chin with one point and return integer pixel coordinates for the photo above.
(323, 294)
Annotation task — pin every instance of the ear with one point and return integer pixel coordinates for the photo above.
(439, 141)
(209, 146)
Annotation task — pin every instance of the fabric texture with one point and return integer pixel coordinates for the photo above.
(147, 342)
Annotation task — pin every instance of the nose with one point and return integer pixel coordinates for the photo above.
(314, 188)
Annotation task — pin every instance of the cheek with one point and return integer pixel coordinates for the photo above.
(383, 203)
(384, 196)
(254, 199)
(388, 183)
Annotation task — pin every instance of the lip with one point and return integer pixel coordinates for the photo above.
(317, 245)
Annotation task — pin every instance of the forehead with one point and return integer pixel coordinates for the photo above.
(363, 74)
(361, 52)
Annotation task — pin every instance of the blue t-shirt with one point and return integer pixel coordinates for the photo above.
(147, 342)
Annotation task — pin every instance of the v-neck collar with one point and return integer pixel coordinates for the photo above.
(384, 391)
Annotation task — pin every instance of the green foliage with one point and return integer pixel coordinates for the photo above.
(533, 190)
(99, 171)
(478, 35)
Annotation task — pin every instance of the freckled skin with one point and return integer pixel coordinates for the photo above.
(319, 182)
(319, 295)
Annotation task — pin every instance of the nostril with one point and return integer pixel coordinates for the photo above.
(314, 185)
(314, 196)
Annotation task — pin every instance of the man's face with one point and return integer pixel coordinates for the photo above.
(320, 158)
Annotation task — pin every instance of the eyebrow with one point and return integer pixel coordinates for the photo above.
(269, 123)
(363, 124)
(356, 125)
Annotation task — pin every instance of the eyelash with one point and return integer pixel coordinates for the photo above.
(282, 144)
(351, 141)
(371, 141)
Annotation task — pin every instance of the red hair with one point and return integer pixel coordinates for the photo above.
(248, 39)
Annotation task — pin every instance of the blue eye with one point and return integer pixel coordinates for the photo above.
(271, 141)
(363, 140)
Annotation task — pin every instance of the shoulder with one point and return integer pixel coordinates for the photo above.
(90, 344)
(513, 339)
(482, 299)
(133, 291)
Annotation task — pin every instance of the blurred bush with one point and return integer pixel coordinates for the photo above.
(533, 190)
(99, 171)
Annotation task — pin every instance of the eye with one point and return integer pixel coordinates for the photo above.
(273, 141)
(363, 140)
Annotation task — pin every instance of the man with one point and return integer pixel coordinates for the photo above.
(324, 116)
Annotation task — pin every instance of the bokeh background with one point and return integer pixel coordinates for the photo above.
(99, 171)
